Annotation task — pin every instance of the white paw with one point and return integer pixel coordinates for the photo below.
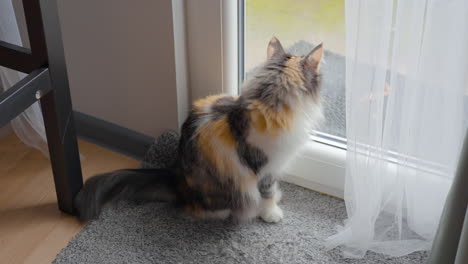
(272, 215)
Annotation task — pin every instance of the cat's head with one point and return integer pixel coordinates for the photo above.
(285, 78)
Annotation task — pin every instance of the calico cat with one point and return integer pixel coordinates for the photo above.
(232, 150)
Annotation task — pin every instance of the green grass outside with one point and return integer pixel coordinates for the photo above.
(292, 20)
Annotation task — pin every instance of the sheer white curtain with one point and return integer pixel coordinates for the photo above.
(406, 89)
(28, 126)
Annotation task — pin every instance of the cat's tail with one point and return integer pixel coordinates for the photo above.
(128, 184)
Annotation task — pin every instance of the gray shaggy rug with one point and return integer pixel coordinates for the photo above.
(157, 233)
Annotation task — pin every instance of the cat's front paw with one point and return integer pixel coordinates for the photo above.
(272, 215)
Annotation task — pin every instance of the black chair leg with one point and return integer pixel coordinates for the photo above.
(58, 114)
(63, 149)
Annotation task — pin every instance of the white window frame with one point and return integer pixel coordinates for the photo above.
(213, 66)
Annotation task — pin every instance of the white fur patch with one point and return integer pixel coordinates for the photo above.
(271, 213)
(282, 149)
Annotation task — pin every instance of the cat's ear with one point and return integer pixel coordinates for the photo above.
(313, 59)
(275, 49)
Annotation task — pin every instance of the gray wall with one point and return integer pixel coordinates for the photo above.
(126, 60)
(121, 62)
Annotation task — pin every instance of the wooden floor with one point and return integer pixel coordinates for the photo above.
(32, 229)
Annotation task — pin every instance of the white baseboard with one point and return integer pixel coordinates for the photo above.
(320, 168)
(314, 186)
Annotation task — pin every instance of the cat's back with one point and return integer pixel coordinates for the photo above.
(215, 112)
(211, 132)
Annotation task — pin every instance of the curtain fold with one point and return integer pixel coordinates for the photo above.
(28, 126)
(451, 241)
(406, 101)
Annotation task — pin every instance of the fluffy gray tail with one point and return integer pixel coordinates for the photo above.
(129, 184)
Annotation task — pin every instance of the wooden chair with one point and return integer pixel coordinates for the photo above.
(46, 82)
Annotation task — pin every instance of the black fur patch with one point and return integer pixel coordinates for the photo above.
(224, 104)
(249, 155)
(239, 122)
(188, 151)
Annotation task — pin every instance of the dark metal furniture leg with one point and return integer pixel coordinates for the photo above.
(58, 115)
(63, 149)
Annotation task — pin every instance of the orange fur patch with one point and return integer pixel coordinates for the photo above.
(201, 104)
(268, 120)
(217, 131)
(245, 183)
(194, 209)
